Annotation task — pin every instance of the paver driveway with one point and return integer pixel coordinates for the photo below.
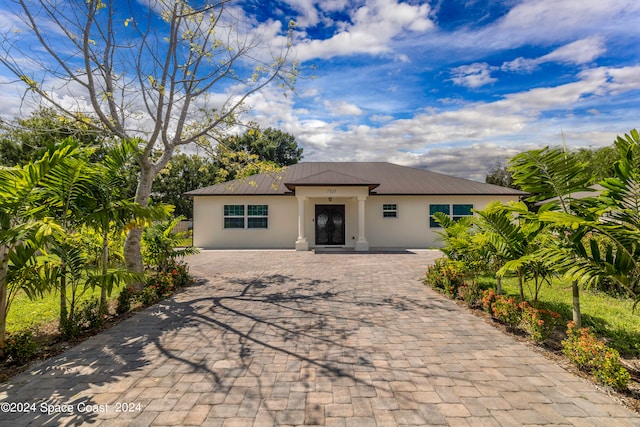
(289, 338)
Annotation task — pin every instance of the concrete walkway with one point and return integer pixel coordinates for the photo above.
(289, 338)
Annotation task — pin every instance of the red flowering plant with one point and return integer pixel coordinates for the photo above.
(539, 323)
(488, 299)
(445, 276)
(588, 353)
(180, 274)
(162, 283)
(507, 310)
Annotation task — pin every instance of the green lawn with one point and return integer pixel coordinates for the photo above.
(25, 314)
(609, 317)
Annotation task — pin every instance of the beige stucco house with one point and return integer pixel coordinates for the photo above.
(354, 205)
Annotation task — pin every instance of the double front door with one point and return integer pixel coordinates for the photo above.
(330, 225)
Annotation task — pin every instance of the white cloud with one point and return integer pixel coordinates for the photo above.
(579, 52)
(551, 20)
(332, 5)
(381, 118)
(342, 108)
(370, 31)
(472, 76)
(308, 10)
(465, 139)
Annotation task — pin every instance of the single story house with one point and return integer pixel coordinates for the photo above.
(354, 205)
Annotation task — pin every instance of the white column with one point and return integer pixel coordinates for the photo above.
(301, 244)
(361, 244)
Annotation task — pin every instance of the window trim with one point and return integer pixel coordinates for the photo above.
(451, 208)
(386, 210)
(264, 215)
(231, 211)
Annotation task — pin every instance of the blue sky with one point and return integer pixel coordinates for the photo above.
(448, 85)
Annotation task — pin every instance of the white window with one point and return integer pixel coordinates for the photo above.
(249, 216)
(455, 212)
(389, 210)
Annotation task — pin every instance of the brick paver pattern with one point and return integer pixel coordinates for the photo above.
(270, 338)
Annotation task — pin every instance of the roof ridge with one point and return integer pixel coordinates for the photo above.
(327, 171)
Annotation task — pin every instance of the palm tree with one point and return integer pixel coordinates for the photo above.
(607, 241)
(24, 226)
(109, 211)
(63, 192)
(510, 234)
(552, 176)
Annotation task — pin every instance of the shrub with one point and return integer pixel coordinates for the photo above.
(539, 323)
(161, 245)
(127, 295)
(445, 276)
(69, 326)
(592, 355)
(90, 316)
(162, 284)
(20, 347)
(180, 274)
(488, 299)
(507, 311)
(470, 294)
(148, 296)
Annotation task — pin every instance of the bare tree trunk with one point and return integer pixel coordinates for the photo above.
(132, 244)
(499, 285)
(577, 316)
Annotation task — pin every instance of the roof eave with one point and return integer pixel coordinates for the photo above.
(292, 186)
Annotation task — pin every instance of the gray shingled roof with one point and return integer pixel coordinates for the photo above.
(380, 177)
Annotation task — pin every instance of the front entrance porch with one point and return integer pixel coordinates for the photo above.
(332, 217)
(330, 226)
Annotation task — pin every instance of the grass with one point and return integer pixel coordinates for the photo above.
(185, 242)
(25, 314)
(612, 318)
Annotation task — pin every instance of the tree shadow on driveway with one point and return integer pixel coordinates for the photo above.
(240, 345)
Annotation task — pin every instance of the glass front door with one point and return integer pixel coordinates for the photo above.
(329, 224)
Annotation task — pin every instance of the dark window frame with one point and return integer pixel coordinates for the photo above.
(390, 210)
(244, 217)
(455, 211)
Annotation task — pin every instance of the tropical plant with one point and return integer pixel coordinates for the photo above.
(606, 239)
(539, 323)
(510, 234)
(507, 310)
(110, 212)
(162, 246)
(24, 224)
(63, 193)
(464, 244)
(20, 347)
(550, 175)
(446, 276)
